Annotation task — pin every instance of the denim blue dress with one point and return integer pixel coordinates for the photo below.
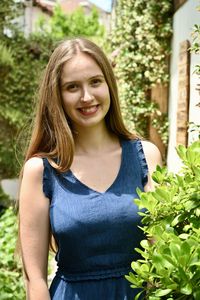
(96, 232)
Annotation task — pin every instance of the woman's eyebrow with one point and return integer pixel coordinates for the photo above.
(74, 81)
(98, 75)
(68, 82)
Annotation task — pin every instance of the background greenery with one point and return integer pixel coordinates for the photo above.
(22, 60)
(75, 24)
(11, 283)
(141, 35)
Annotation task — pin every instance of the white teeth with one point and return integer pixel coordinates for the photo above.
(89, 109)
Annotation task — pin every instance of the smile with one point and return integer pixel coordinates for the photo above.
(90, 110)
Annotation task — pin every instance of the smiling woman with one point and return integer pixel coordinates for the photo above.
(85, 92)
(79, 178)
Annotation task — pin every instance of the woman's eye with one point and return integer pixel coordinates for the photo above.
(72, 87)
(96, 82)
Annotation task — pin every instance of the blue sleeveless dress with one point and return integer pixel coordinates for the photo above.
(96, 232)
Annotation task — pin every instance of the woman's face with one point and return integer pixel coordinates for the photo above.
(85, 93)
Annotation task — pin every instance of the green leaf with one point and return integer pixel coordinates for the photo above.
(182, 274)
(185, 248)
(138, 295)
(175, 250)
(177, 219)
(195, 264)
(145, 244)
(143, 253)
(181, 150)
(169, 259)
(131, 278)
(139, 192)
(161, 293)
(196, 294)
(186, 289)
(164, 195)
(184, 236)
(144, 268)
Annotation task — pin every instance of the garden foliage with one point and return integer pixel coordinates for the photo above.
(10, 10)
(22, 61)
(6, 59)
(169, 267)
(195, 48)
(63, 25)
(11, 283)
(17, 90)
(141, 37)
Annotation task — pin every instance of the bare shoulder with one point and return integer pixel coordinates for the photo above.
(153, 158)
(152, 153)
(151, 150)
(33, 167)
(32, 182)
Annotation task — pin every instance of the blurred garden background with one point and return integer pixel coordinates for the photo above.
(154, 49)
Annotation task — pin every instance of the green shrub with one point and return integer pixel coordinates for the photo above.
(11, 283)
(62, 25)
(6, 59)
(26, 58)
(170, 263)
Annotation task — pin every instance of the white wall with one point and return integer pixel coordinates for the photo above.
(10, 187)
(183, 23)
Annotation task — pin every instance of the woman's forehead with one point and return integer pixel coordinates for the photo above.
(80, 65)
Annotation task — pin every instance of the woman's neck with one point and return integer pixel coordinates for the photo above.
(93, 140)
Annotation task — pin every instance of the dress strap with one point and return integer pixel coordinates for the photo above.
(47, 179)
(143, 162)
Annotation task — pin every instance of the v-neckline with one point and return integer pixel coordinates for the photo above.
(112, 184)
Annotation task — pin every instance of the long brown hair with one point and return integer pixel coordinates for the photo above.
(51, 135)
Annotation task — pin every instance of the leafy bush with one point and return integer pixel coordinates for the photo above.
(10, 10)
(170, 263)
(11, 283)
(28, 57)
(63, 25)
(17, 95)
(6, 59)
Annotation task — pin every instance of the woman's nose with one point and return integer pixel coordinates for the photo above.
(87, 96)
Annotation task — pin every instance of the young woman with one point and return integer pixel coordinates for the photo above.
(79, 180)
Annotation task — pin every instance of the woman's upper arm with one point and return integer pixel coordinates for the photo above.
(34, 221)
(153, 158)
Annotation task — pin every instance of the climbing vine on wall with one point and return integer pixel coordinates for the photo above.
(141, 39)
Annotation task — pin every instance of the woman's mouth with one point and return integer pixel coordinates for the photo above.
(90, 110)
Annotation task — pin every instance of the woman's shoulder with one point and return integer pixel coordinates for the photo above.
(152, 153)
(34, 167)
(150, 147)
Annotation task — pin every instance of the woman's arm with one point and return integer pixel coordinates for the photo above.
(153, 158)
(34, 230)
